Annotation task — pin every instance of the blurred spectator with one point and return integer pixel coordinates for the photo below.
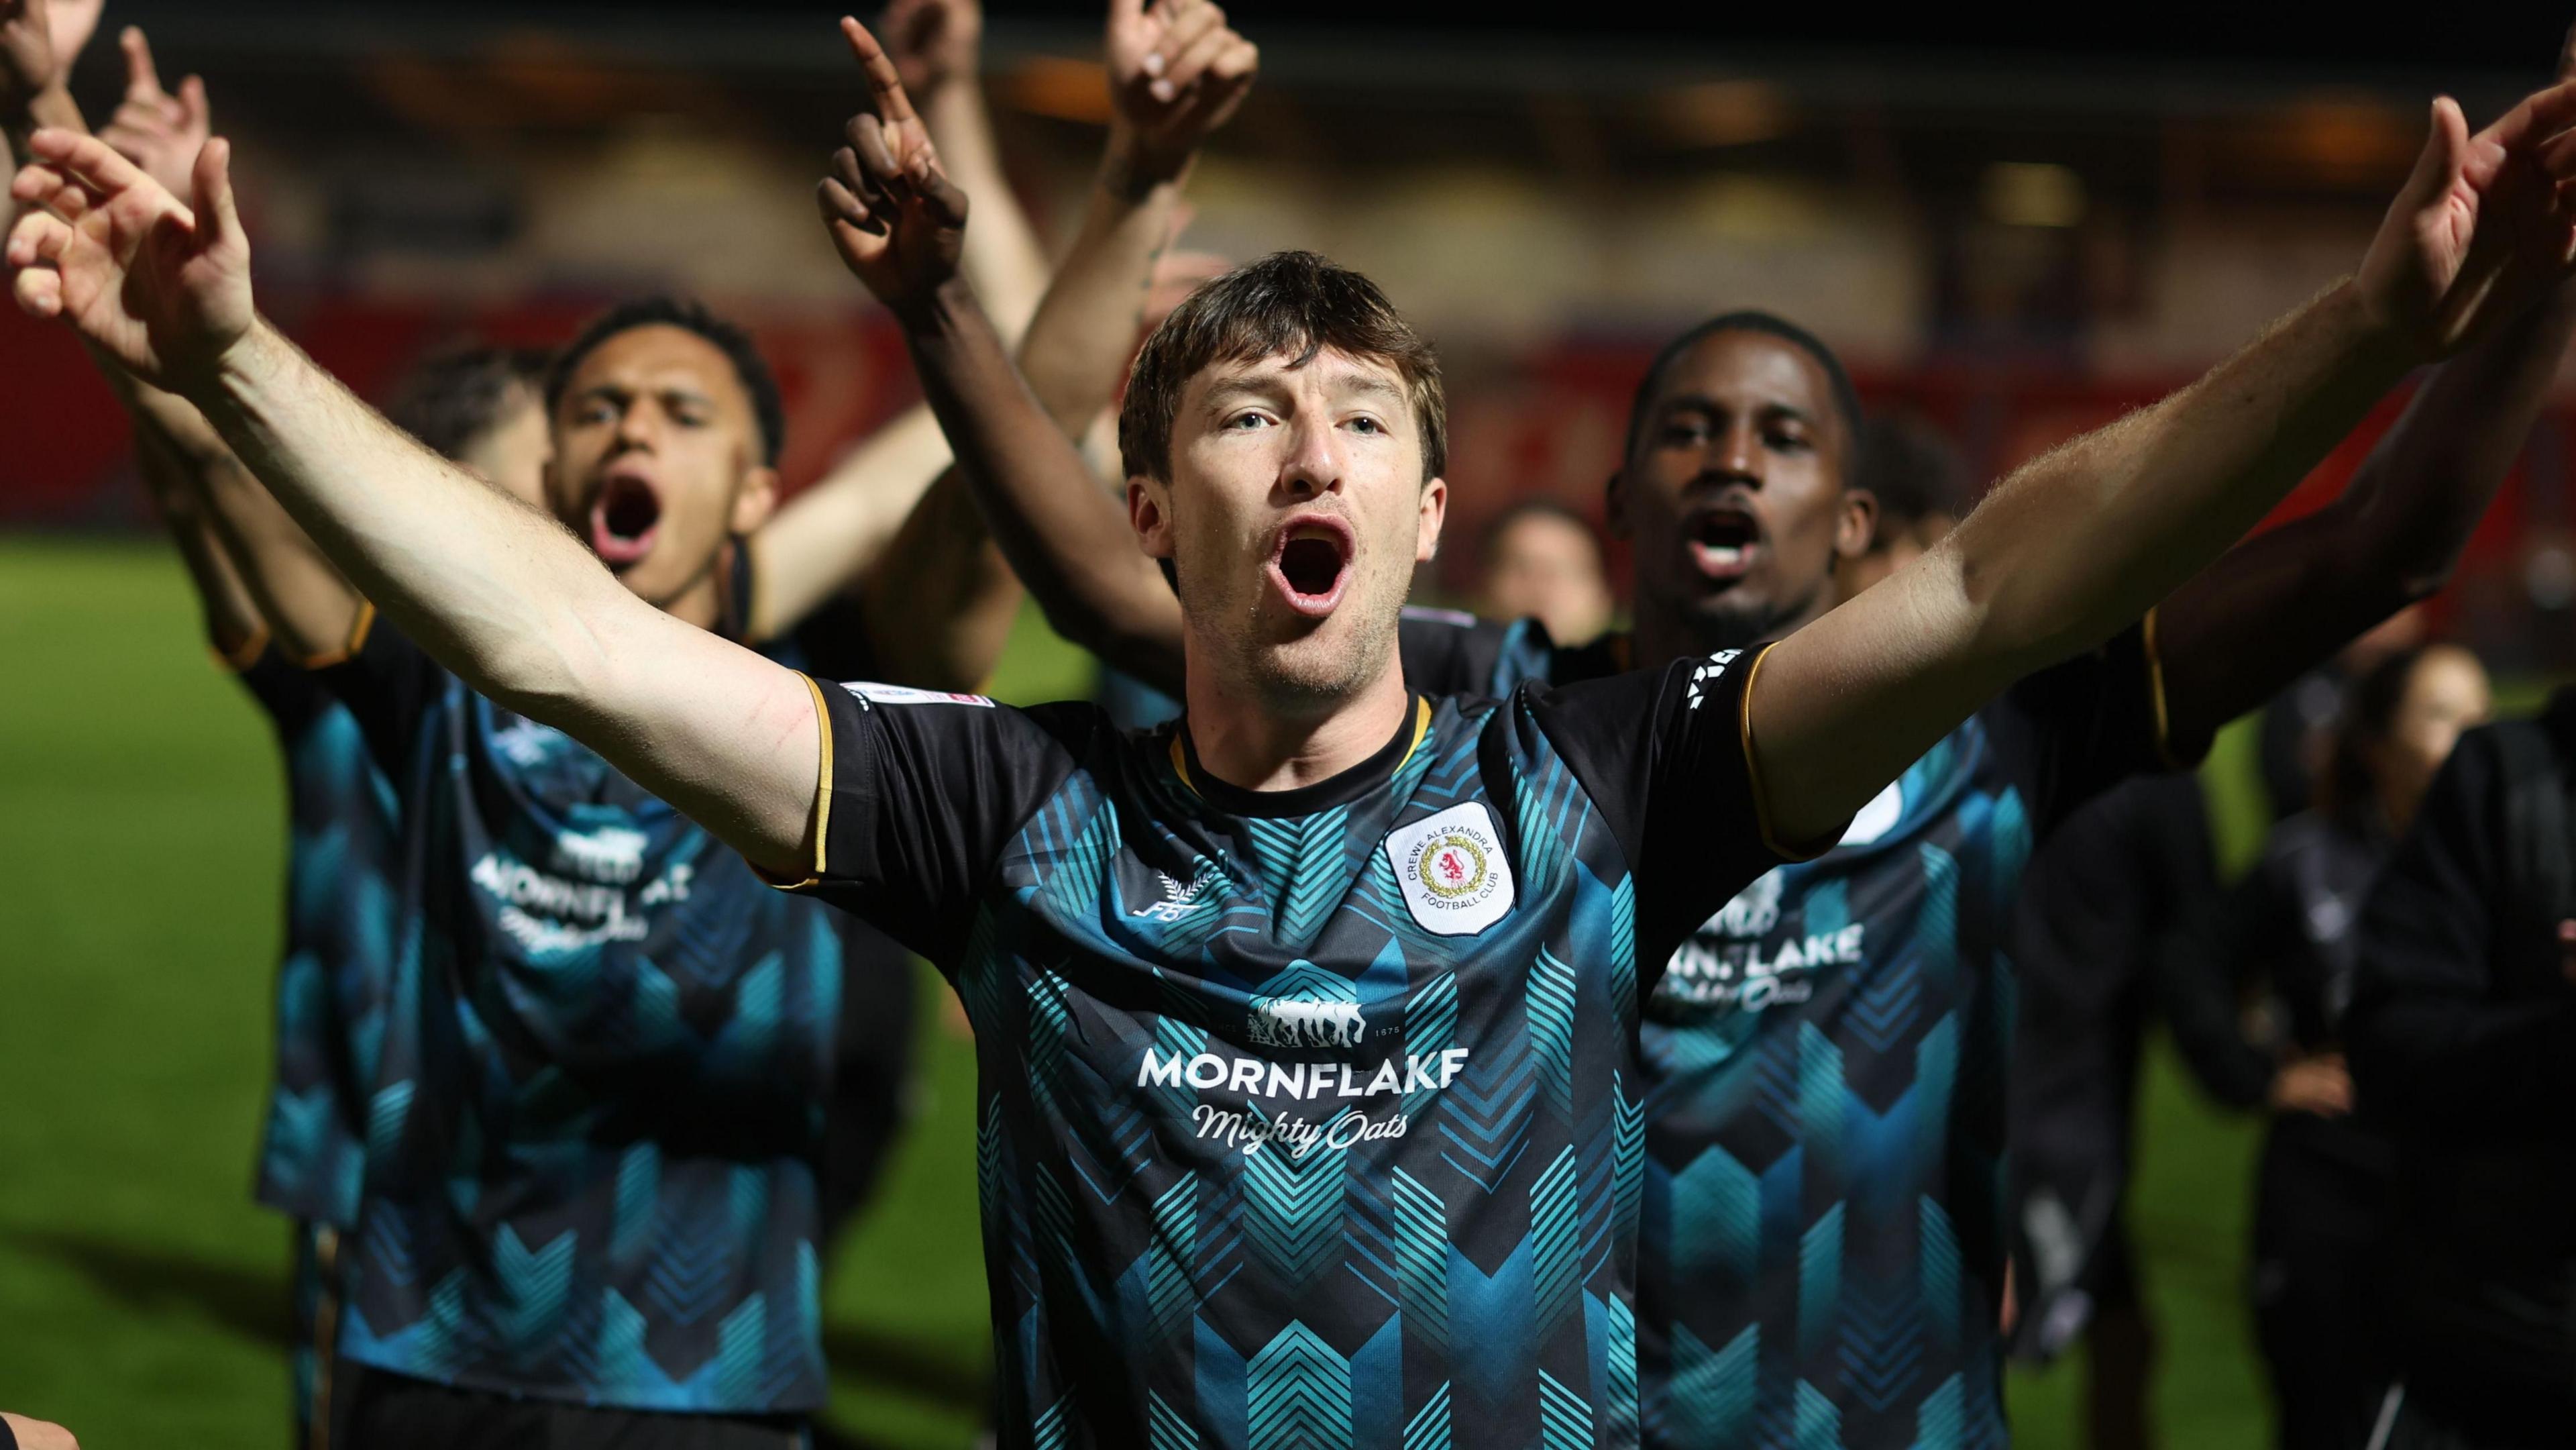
(2092, 903)
(2462, 1034)
(2255, 991)
(1921, 484)
(2298, 729)
(1542, 560)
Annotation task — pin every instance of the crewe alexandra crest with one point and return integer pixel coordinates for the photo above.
(1455, 879)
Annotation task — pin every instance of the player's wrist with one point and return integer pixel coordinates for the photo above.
(235, 373)
(1134, 168)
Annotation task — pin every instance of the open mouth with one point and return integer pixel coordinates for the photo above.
(624, 519)
(1722, 541)
(1312, 563)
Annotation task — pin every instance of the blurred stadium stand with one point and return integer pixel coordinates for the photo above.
(2016, 232)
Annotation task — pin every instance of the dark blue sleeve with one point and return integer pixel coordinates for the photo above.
(1667, 758)
(921, 793)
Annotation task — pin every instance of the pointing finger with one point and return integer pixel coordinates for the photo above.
(884, 81)
(142, 79)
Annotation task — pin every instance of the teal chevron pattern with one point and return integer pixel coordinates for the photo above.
(1820, 1281)
(1555, 1242)
(1169, 1287)
(1422, 1259)
(1171, 1429)
(1429, 1427)
(1551, 1029)
(1049, 1020)
(1824, 1169)
(1292, 1210)
(1820, 1425)
(1565, 1421)
(1619, 1395)
(1430, 1025)
(1297, 1394)
(1304, 863)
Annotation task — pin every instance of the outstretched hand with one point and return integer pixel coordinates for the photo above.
(897, 220)
(1176, 74)
(161, 288)
(2486, 223)
(154, 129)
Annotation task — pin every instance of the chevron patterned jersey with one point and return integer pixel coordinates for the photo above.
(1307, 1118)
(341, 921)
(1825, 1068)
(1823, 1077)
(592, 1134)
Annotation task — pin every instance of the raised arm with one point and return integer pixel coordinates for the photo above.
(2086, 538)
(1178, 74)
(302, 602)
(2393, 538)
(494, 591)
(39, 40)
(844, 529)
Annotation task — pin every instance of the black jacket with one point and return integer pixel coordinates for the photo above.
(2462, 1036)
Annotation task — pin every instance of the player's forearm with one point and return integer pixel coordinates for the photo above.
(297, 595)
(235, 627)
(1003, 258)
(490, 588)
(1078, 347)
(940, 610)
(1064, 537)
(836, 533)
(2393, 538)
(2083, 540)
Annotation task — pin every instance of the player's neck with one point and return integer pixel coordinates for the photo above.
(1662, 634)
(1249, 743)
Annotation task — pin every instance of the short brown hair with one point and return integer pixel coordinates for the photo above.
(1287, 302)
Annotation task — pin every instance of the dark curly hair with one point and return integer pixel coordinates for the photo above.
(688, 316)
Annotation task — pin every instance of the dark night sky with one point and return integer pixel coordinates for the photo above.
(2488, 37)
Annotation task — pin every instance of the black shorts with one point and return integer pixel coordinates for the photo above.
(381, 1411)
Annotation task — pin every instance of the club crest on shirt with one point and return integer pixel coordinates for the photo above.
(1451, 867)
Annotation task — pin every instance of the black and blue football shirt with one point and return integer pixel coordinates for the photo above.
(1308, 1117)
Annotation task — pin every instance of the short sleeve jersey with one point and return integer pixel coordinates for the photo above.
(1824, 1066)
(1307, 1117)
(342, 919)
(592, 1141)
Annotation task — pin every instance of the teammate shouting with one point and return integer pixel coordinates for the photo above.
(1825, 1056)
(1305, 1023)
(592, 1132)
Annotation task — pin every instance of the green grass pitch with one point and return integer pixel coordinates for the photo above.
(142, 1294)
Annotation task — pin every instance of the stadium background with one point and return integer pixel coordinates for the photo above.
(2015, 232)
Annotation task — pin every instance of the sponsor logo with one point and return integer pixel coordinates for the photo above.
(1300, 1022)
(1180, 900)
(1729, 963)
(876, 694)
(612, 854)
(1708, 675)
(1248, 1128)
(543, 911)
(1455, 879)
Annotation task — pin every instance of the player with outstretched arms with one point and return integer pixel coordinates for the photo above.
(1427, 923)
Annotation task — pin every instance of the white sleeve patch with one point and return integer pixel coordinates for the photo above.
(876, 694)
(1455, 880)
